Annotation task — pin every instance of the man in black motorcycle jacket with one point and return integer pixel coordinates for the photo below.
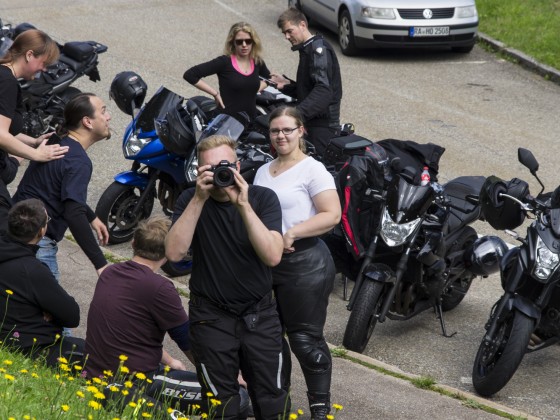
(318, 87)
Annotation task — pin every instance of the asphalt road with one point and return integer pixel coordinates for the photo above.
(480, 107)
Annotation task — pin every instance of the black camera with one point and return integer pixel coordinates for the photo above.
(223, 176)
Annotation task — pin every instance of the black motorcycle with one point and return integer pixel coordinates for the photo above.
(526, 318)
(44, 97)
(417, 257)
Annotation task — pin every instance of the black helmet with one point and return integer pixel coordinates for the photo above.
(483, 256)
(503, 213)
(22, 27)
(128, 90)
(175, 132)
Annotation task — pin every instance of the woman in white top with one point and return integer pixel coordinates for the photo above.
(304, 278)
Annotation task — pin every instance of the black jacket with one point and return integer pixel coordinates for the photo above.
(318, 88)
(34, 293)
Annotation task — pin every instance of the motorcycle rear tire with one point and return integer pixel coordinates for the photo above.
(460, 286)
(495, 365)
(181, 268)
(114, 209)
(363, 317)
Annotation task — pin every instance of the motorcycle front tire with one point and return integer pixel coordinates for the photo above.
(115, 210)
(363, 317)
(495, 364)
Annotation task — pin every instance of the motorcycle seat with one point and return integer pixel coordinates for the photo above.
(58, 73)
(463, 212)
(73, 64)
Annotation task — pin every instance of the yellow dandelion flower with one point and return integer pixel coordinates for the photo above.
(92, 389)
(166, 369)
(124, 369)
(146, 415)
(300, 412)
(80, 394)
(65, 368)
(65, 407)
(209, 394)
(124, 392)
(70, 378)
(128, 384)
(170, 410)
(9, 292)
(94, 404)
(123, 358)
(215, 402)
(57, 376)
(78, 367)
(293, 416)
(8, 362)
(132, 404)
(337, 407)
(34, 375)
(116, 418)
(183, 418)
(99, 395)
(330, 417)
(9, 377)
(96, 380)
(11, 418)
(196, 406)
(27, 417)
(114, 388)
(2, 370)
(24, 371)
(108, 373)
(204, 416)
(57, 336)
(141, 376)
(62, 360)
(90, 417)
(149, 380)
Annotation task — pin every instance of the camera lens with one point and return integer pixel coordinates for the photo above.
(223, 177)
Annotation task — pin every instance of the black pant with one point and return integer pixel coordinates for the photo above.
(320, 137)
(8, 171)
(224, 343)
(70, 348)
(303, 282)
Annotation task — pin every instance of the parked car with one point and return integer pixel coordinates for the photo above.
(395, 23)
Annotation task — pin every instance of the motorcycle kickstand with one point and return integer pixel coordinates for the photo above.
(439, 314)
(345, 288)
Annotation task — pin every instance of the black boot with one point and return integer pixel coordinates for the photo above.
(319, 405)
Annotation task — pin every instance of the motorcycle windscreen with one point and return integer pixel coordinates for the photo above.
(157, 107)
(224, 125)
(407, 202)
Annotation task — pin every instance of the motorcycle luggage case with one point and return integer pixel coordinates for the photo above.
(341, 148)
(78, 50)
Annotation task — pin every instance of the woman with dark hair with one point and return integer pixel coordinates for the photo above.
(238, 71)
(304, 278)
(31, 52)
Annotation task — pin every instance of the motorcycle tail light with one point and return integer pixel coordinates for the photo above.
(134, 145)
(546, 261)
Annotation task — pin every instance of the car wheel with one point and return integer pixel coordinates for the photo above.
(346, 34)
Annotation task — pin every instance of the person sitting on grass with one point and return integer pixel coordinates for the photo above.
(34, 308)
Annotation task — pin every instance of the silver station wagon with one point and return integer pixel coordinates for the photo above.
(395, 23)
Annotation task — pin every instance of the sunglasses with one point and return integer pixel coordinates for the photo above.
(240, 42)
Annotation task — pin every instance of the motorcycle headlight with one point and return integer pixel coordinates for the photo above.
(546, 262)
(134, 145)
(378, 13)
(191, 168)
(395, 234)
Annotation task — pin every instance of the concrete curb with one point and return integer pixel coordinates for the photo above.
(524, 60)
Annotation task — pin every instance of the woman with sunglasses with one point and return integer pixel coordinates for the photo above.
(31, 52)
(303, 280)
(238, 71)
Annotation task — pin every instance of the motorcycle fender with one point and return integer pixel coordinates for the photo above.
(524, 305)
(380, 273)
(133, 178)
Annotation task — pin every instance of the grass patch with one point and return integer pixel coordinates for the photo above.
(423, 382)
(531, 26)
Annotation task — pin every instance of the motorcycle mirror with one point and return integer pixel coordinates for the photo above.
(396, 164)
(527, 159)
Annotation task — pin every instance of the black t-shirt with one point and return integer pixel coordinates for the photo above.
(11, 99)
(226, 269)
(238, 90)
(57, 181)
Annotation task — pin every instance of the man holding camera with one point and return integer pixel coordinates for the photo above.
(234, 230)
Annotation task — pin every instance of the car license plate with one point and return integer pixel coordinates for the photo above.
(418, 31)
